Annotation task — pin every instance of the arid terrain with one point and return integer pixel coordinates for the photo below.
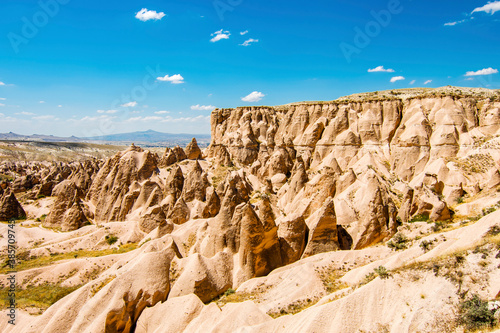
(375, 212)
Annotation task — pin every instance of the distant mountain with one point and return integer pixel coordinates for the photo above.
(148, 136)
(145, 138)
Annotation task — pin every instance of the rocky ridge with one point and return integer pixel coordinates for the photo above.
(280, 191)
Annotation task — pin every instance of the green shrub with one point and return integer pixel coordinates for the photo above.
(425, 245)
(110, 239)
(494, 230)
(420, 218)
(474, 313)
(398, 242)
(382, 272)
(229, 292)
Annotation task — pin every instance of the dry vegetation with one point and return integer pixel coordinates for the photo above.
(24, 261)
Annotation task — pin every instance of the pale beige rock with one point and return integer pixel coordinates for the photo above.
(322, 227)
(193, 152)
(292, 234)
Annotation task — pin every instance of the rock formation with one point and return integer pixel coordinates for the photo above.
(10, 208)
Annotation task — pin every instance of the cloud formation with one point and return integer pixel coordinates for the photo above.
(427, 82)
(450, 24)
(485, 71)
(218, 35)
(397, 78)
(107, 111)
(249, 41)
(380, 69)
(490, 8)
(162, 112)
(244, 32)
(202, 107)
(174, 79)
(146, 15)
(253, 97)
(46, 117)
(129, 105)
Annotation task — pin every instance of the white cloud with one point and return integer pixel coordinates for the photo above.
(218, 35)
(162, 112)
(59, 106)
(149, 118)
(168, 119)
(397, 78)
(202, 107)
(41, 102)
(87, 118)
(249, 41)
(2, 83)
(186, 119)
(427, 82)
(380, 69)
(253, 97)
(2, 115)
(413, 82)
(485, 71)
(244, 32)
(490, 8)
(145, 15)
(47, 117)
(129, 105)
(469, 79)
(107, 111)
(450, 24)
(2, 99)
(174, 79)
(24, 113)
(2, 104)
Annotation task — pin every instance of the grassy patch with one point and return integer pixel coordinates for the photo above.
(220, 174)
(331, 280)
(474, 314)
(189, 243)
(293, 308)
(398, 242)
(419, 218)
(111, 239)
(234, 297)
(41, 296)
(96, 288)
(25, 262)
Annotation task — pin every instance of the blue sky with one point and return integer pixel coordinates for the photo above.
(83, 68)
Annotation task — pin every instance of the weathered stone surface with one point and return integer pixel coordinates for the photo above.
(195, 184)
(292, 234)
(10, 207)
(322, 231)
(193, 152)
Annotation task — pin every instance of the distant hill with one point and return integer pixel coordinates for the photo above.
(144, 138)
(151, 136)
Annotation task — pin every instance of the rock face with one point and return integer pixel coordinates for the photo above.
(293, 236)
(193, 152)
(118, 177)
(323, 235)
(10, 207)
(67, 210)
